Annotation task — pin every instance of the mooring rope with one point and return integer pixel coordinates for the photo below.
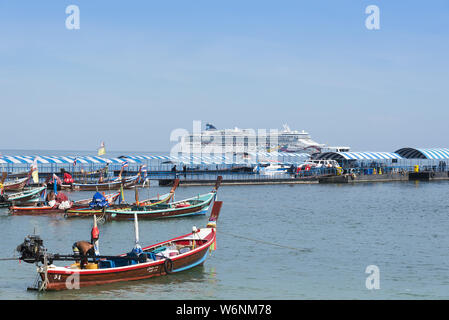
(266, 242)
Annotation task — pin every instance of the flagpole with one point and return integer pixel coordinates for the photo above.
(137, 248)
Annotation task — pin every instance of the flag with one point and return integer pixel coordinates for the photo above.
(101, 150)
(74, 162)
(34, 172)
(125, 164)
(122, 194)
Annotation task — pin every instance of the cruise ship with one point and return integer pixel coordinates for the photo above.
(241, 141)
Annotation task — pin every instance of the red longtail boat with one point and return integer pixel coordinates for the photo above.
(44, 209)
(171, 256)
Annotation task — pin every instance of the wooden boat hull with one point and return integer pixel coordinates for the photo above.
(22, 197)
(46, 210)
(111, 198)
(67, 278)
(35, 211)
(174, 212)
(88, 212)
(15, 185)
(129, 183)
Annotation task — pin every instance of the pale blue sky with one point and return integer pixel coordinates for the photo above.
(134, 72)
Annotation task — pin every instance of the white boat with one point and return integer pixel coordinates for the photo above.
(318, 164)
(271, 168)
(241, 141)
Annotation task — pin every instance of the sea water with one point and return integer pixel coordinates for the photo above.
(273, 242)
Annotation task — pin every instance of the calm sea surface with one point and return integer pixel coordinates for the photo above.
(274, 242)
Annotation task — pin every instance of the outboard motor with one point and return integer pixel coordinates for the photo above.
(3, 198)
(32, 249)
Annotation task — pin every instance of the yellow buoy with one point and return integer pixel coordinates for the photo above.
(339, 170)
(88, 266)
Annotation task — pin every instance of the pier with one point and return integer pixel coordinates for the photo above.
(406, 164)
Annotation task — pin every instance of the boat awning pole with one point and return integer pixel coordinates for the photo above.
(96, 243)
(136, 232)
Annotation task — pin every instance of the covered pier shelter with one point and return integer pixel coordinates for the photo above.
(342, 156)
(153, 162)
(406, 159)
(424, 153)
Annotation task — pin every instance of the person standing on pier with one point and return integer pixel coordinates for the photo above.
(67, 177)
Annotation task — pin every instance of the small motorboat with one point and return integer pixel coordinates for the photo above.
(24, 197)
(164, 258)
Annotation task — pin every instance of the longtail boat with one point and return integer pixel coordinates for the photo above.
(159, 199)
(35, 210)
(111, 198)
(192, 206)
(22, 197)
(164, 258)
(88, 212)
(44, 209)
(111, 185)
(116, 184)
(16, 185)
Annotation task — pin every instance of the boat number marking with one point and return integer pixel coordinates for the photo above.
(57, 277)
(151, 269)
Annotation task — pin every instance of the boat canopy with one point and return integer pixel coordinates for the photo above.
(359, 156)
(424, 153)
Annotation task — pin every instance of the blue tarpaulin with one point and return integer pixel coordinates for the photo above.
(98, 201)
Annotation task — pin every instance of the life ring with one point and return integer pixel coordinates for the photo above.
(168, 266)
(353, 175)
(432, 174)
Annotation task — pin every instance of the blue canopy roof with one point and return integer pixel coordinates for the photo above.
(203, 159)
(359, 156)
(59, 159)
(424, 153)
